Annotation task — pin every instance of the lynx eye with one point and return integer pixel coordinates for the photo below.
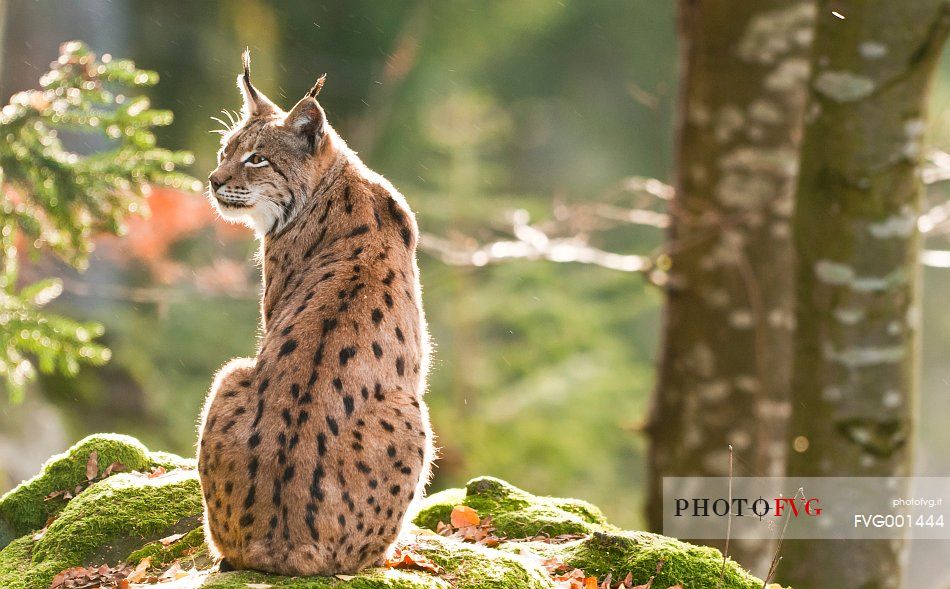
(256, 160)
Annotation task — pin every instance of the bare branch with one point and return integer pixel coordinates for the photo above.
(531, 243)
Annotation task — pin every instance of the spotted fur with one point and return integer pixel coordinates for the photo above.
(311, 453)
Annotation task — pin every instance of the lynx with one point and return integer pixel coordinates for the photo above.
(311, 453)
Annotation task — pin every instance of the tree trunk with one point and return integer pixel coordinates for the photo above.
(857, 244)
(725, 363)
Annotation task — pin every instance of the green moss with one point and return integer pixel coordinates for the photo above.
(371, 579)
(639, 553)
(25, 508)
(515, 512)
(471, 566)
(161, 555)
(15, 562)
(170, 461)
(464, 566)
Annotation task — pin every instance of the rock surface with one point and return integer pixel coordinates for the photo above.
(76, 513)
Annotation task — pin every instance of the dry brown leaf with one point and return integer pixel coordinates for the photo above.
(463, 515)
(553, 565)
(172, 571)
(114, 467)
(576, 579)
(404, 557)
(157, 472)
(139, 572)
(90, 578)
(92, 465)
(648, 585)
(169, 540)
(60, 579)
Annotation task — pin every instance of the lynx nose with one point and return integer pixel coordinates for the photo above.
(216, 182)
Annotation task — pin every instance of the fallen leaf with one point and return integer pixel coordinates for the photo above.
(92, 465)
(169, 540)
(648, 585)
(260, 585)
(157, 472)
(90, 578)
(173, 572)
(553, 565)
(464, 516)
(60, 579)
(576, 579)
(139, 572)
(404, 557)
(114, 467)
(345, 577)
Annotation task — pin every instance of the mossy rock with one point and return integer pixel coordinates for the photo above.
(104, 524)
(464, 566)
(644, 555)
(515, 513)
(121, 520)
(25, 507)
(191, 545)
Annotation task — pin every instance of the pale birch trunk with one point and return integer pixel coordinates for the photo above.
(725, 363)
(857, 282)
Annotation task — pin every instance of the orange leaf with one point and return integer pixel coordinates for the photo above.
(464, 516)
(590, 583)
(156, 472)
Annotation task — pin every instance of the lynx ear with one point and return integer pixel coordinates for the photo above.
(255, 103)
(307, 119)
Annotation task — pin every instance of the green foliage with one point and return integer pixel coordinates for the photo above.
(58, 199)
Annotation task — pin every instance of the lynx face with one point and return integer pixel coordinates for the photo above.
(266, 163)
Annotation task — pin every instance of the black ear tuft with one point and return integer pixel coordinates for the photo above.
(317, 87)
(246, 62)
(255, 103)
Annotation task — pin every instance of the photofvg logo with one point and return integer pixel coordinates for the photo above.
(806, 508)
(744, 507)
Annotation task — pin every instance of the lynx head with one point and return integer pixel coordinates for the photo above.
(270, 159)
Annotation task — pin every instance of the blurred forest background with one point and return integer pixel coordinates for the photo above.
(543, 371)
